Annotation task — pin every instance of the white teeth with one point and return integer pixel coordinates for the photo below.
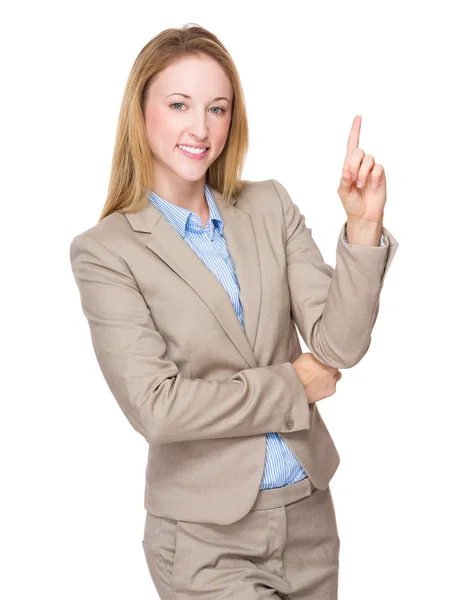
(193, 150)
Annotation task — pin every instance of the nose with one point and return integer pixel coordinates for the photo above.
(198, 126)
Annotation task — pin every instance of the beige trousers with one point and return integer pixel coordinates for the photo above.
(287, 547)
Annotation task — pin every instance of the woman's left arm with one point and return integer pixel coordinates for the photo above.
(335, 309)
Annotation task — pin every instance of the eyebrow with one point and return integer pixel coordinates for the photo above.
(189, 97)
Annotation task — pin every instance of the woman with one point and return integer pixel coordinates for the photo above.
(193, 283)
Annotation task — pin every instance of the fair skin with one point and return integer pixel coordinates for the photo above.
(172, 119)
(319, 380)
(362, 190)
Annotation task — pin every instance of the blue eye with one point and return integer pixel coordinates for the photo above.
(182, 104)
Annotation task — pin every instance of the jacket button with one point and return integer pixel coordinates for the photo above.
(290, 423)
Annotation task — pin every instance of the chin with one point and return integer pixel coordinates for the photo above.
(194, 177)
(192, 174)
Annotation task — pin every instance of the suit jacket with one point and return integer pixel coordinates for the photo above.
(198, 387)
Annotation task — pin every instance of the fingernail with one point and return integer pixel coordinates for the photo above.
(359, 184)
(374, 184)
(353, 176)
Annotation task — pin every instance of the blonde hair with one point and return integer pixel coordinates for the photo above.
(131, 170)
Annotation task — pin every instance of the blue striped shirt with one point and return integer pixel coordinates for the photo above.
(281, 466)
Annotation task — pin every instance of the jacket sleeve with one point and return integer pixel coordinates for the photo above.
(334, 309)
(159, 402)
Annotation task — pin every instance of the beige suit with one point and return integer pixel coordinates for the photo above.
(202, 391)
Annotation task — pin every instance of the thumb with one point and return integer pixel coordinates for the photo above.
(346, 183)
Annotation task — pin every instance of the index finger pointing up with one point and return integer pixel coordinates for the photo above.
(353, 139)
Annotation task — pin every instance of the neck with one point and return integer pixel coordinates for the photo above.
(186, 194)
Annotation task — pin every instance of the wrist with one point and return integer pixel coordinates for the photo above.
(365, 223)
(366, 233)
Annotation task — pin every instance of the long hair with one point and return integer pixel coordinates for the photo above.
(131, 170)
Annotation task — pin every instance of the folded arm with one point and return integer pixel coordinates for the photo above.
(159, 402)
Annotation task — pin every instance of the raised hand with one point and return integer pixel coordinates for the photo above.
(362, 188)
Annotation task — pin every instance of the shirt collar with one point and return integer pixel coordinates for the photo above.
(184, 219)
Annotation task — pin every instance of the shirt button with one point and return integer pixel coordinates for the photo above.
(290, 423)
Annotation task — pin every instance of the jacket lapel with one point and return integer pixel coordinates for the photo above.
(163, 239)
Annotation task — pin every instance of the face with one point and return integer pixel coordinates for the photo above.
(203, 118)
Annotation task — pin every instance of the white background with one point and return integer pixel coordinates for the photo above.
(72, 467)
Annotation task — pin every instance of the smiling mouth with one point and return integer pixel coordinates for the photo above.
(193, 150)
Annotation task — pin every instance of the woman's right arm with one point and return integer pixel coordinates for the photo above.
(158, 401)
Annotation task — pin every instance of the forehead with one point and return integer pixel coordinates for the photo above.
(192, 75)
